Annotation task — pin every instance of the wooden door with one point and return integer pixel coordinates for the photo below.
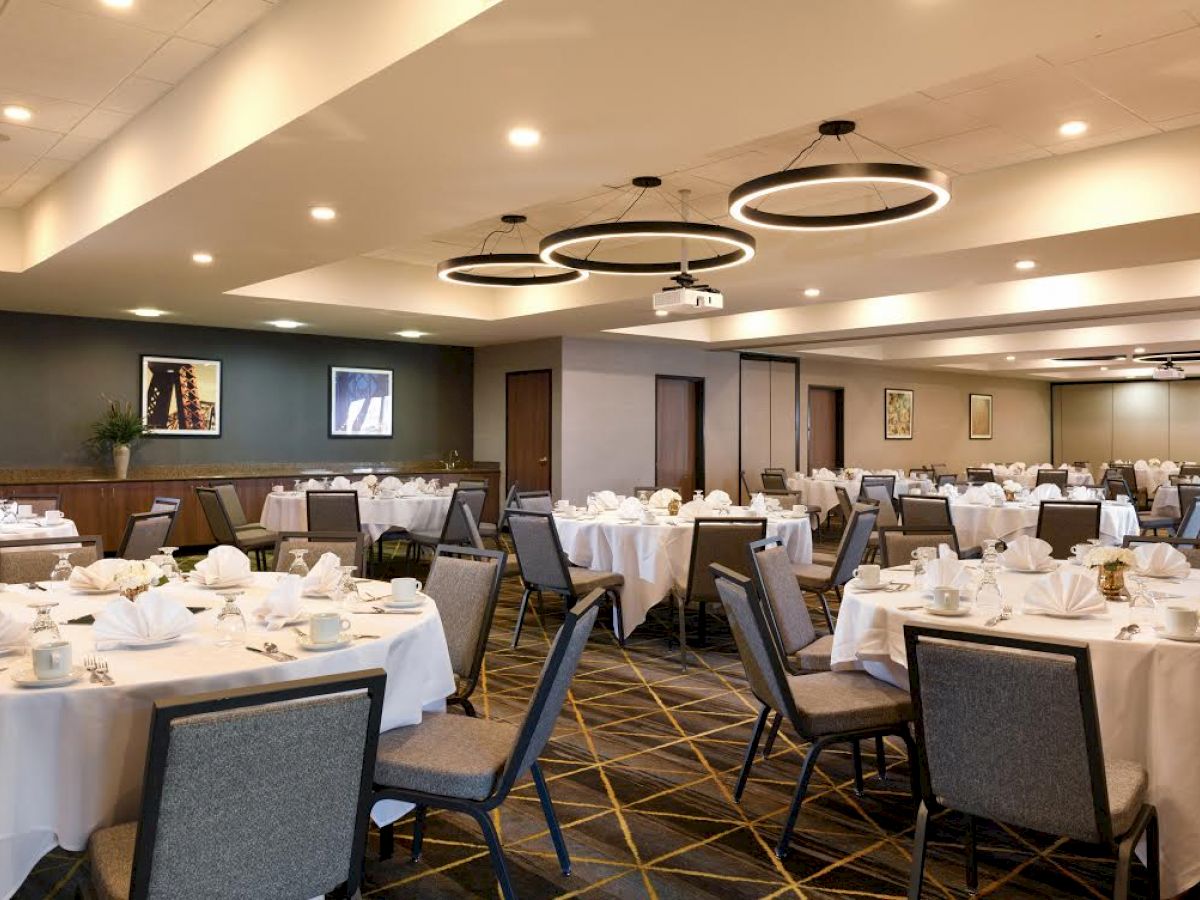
(528, 458)
(825, 442)
(679, 433)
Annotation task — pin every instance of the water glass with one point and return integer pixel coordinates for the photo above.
(347, 589)
(298, 566)
(168, 564)
(231, 623)
(61, 573)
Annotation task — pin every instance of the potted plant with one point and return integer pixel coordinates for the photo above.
(117, 429)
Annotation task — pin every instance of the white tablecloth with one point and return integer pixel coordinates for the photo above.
(288, 511)
(28, 531)
(821, 491)
(974, 524)
(1145, 690)
(1028, 479)
(72, 759)
(654, 558)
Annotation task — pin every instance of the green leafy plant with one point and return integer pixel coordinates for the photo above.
(119, 424)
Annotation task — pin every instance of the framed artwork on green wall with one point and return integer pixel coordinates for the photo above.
(360, 402)
(181, 397)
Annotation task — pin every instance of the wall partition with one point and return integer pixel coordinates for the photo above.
(1099, 421)
(769, 416)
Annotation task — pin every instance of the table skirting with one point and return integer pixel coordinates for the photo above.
(288, 511)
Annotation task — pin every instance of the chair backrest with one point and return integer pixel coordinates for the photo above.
(539, 552)
(920, 511)
(330, 511)
(551, 690)
(231, 502)
(350, 549)
(1036, 742)
(510, 499)
(774, 481)
(33, 560)
(947, 478)
(466, 483)
(535, 501)
(896, 545)
(855, 539)
(165, 504)
(454, 527)
(776, 582)
(1052, 476)
(1188, 494)
(204, 833)
(720, 540)
(1117, 487)
(474, 538)
(745, 483)
(40, 502)
(882, 497)
(464, 584)
(887, 482)
(1081, 464)
(1188, 471)
(144, 534)
(1189, 522)
(215, 515)
(1129, 473)
(1065, 523)
(979, 476)
(921, 472)
(845, 504)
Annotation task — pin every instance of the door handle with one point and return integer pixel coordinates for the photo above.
(544, 460)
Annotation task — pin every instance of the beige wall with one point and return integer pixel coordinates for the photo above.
(1126, 420)
(1020, 416)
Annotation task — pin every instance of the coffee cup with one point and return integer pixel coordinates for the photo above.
(648, 517)
(277, 489)
(946, 598)
(327, 627)
(1181, 621)
(799, 511)
(867, 574)
(51, 660)
(54, 515)
(405, 589)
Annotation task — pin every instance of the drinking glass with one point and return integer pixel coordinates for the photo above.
(43, 629)
(168, 564)
(988, 600)
(644, 497)
(299, 566)
(297, 486)
(61, 573)
(347, 590)
(231, 623)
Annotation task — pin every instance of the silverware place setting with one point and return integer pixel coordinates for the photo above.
(1004, 616)
(1127, 633)
(98, 667)
(272, 651)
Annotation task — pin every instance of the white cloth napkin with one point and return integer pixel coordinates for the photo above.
(283, 604)
(341, 483)
(825, 475)
(1161, 561)
(718, 499)
(224, 565)
(1141, 465)
(1026, 553)
(945, 572)
(1065, 591)
(312, 485)
(391, 483)
(608, 499)
(947, 490)
(976, 496)
(630, 508)
(322, 579)
(11, 631)
(154, 616)
(1079, 492)
(695, 509)
(758, 505)
(663, 497)
(1169, 466)
(99, 576)
(993, 490)
(407, 489)
(1046, 492)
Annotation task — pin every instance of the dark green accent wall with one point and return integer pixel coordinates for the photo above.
(54, 369)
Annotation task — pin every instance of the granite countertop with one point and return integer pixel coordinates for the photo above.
(78, 474)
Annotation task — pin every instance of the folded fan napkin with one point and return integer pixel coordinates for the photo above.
(1080, 492)
(223, 565)
(99, 576)
(1169, 465)
(630, 508)
(718, 499)
(945, 551)
(608, 499)
(1065, 591)
(408, 489)
(11, 631)
(1141, 465)
(976, 496)
(283, 604)
(154, 616)
(340, 483)
(1026, 553)
(323, 577)
(1161, 561)
(993, 490)
(945, 572)
(1046, 492)
(695, 509)
(825, 475)
(758, 505)
(663, 497)
(312, 485)
(947, 490)
(391, 483)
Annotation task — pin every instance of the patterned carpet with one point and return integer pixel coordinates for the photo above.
(641, 768)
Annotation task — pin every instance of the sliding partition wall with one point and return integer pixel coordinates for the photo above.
(769, 416)
(1101, 421)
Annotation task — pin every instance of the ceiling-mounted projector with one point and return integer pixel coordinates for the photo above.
(1168, 371)
(688, 297)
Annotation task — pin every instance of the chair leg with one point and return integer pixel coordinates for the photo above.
(1124, 865)
(619, 616)
(881, 758)
(810, 761)
(521, 617)
(825, 607)
(1152, 853)
(469, 708)
(914, 765)
(972, 862)
(387, 841)
(681, 602)
(560, 846)
(499, 865)
(418, 834)
(920, 835)
(856, 755)
(702, 626)
(751, 749)
(774, 733)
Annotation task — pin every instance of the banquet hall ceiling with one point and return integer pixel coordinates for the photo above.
(394, 112)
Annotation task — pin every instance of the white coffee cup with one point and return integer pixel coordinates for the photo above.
(799, 511)
(51, 660)
(326, 627)
(648, 517)
(405, 589)
(867, 574)
(1181, 621)
(946, 598)
(54, 515)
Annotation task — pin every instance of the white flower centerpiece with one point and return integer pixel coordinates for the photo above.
(1111, 563)
(137, 577)
(1011, 489)
(850, 474)
(1154, 461)
(371, 483)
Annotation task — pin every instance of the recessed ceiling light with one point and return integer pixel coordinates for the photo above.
(285, 323)
(17, 113)
(1074, 128)
(812, 292)
(1131, 374)
(118, 4)
(1104, 368)
(1025, 264)
(522, 136)
(411, 334)
(1011, 358)
(1139, 349)
(202, 259)
(323, 213)
(661, 313)
(147, 313)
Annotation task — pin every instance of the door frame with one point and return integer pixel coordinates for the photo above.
(549, 427)
(840, 412)
(768, 357)
(699, 382)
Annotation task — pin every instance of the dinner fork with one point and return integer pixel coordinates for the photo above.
(1127, 633)
(102, 670)
(1005, 615)
(89, 663)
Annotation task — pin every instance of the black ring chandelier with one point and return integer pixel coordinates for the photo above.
(555, 248)
(936, 185)
(465, 269)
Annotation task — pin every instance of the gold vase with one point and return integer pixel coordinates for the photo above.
(1111, 581)
(132, 593)
(673, 508)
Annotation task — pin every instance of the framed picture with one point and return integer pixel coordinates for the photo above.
(181, 397)
(897, 414)
(980, 416)
(360, 402)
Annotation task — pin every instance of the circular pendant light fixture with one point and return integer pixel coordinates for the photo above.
(557, 248)
(500, 269)
(745, 201)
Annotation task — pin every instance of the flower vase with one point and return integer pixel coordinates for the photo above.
(132, 593)
(1111, 581)
(120, 454)
(673, 507)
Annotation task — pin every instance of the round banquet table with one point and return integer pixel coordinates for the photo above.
(33, 529)
(72, 759)
(1152, 478)
(1145, 690)
(821, 491)
(288, 511)
(654, 558)
(1028, 479)
(976, 523)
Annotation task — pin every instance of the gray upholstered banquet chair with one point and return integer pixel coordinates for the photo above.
(1189, 547)
(896, 545)
(168, 504)
(144, 534)
(947, 478)
(464, 583)
(821, 579)
(33, 560)
(545, 569)
(1188, 495)
(330, 511)
(719, 540)
(922, 511)
(1147, 521)
(350, 549)
(249, 538)
(1188, 470)
(1029, 756)
(468, 483)
(823, 708)
(535, 501)
(41, 503)
(1065, 523)
(454, 528)
(980, 475)
(303, 753)
(469, 764)
(1052, 476)
(880, 493)
(492, 530)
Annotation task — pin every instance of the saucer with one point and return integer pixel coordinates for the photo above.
(146, 645)
(25, 678)
(1054, 614)
(306, 643)
(1162, 632)
(950, 613)
(859, 586)
(1050, 567)
(415, 603)
(222, 585)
